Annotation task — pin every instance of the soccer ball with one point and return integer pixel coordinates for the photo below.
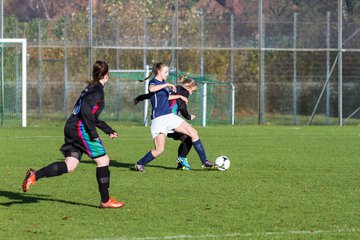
(223, 163)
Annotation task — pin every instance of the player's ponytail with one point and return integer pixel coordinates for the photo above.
(100, 69)
(182, 79)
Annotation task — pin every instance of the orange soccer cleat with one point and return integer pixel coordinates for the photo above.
(111, 203)
(29, 180)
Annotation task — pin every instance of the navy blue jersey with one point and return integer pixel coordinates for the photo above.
(159, 100)
(176, 105)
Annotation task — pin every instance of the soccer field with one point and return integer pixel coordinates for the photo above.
(283, 183)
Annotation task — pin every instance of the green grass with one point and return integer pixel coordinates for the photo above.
(283, 183)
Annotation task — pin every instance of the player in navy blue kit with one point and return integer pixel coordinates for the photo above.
(185, 88)
(163, 121)
(81, 137)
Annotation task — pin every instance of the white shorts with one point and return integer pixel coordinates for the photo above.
(165, 124)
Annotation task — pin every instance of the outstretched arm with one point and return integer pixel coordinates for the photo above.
(172, 97)
(141, 97)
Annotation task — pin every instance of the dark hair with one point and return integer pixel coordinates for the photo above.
(100, 69)
(155, 70)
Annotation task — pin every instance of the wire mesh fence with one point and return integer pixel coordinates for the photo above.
(277, 55)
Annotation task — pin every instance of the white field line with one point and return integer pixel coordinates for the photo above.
(243, 235)
(33, 137)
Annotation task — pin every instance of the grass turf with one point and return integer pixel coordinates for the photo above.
(283, 183)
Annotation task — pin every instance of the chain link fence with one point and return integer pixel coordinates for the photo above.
(292, 62)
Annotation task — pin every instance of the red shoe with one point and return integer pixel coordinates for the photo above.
(111, 203)
(29, 179)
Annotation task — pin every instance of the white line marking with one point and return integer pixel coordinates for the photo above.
(233, 235)
(33, 137)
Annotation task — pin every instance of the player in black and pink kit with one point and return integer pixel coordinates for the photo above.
(185, 88)
(163, 121)
(81, 137)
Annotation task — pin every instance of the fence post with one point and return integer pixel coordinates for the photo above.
(204, 98)
(146, 90)
(295, 120)
(328, 65)
(17, 71)
(261, 64)
(2, 65)
(91, 26)
(340, 80)
(232, 114)
(202, 70)
(147, 73)
(65, 67)
(40, 87)
(117, 63)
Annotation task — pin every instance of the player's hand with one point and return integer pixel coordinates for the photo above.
(192, 117)
(172, 86)
(113, 135)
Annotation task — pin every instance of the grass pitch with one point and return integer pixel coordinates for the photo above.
(283, 183)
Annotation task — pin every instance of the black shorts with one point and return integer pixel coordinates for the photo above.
(177, 136)
(77, 142)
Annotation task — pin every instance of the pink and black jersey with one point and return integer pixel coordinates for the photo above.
(80, 128)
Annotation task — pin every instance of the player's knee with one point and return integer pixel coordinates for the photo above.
(102, 161)
(71, 168)
(71, 164)
(194, 134)
(159, 150)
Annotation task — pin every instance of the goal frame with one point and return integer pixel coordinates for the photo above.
(23, 43)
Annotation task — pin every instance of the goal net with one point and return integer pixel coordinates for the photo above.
(13, 82)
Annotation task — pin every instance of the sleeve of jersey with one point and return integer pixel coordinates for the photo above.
(86, 113)
(151, 83)
(183, 106)
(143, 97)
(104, 127)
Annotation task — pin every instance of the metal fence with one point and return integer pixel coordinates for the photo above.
(289, 62)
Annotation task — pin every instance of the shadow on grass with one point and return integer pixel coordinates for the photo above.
(130, 166)
(21, 198)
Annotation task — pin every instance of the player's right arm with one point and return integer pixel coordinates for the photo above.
(155, 88)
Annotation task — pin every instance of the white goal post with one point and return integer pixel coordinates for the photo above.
(23, 43)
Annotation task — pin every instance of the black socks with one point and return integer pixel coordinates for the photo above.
(52, 170)
(103, 179)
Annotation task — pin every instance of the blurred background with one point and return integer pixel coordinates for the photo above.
(266, 62)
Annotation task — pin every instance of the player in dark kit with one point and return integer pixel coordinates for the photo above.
(185, 88)
(81, 137)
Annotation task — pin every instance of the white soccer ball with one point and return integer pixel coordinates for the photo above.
(223, 163)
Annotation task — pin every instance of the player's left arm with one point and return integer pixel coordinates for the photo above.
(183, 109)
(106, 128)
(172, 97)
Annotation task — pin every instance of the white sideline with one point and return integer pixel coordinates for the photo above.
(232, 235)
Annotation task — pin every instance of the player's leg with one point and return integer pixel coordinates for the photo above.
(103, 180)
(51, 170)
(159, 142)
(187, 129)
(183, 149)
(185, 146)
